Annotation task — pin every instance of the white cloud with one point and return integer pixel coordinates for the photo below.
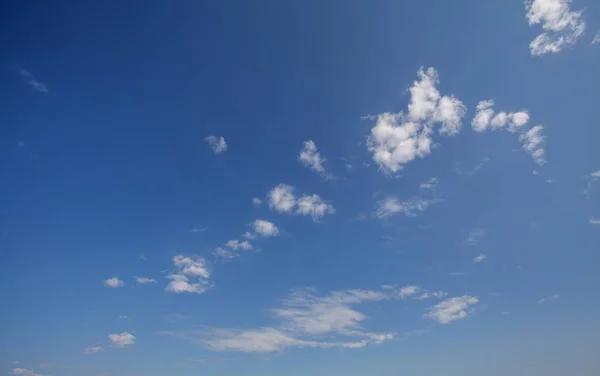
(113, 282)
(224, 253)
(236, 245)
(593, 177)
(594, 221)
(408, 291)
(189, 267)
(548, 299)
(144, 280)
(397, 139)
(265, 228)
(256, 202)
(93, 350)
(249, 235)
(180, 283)
(484, 118)
(315, 207)
(452, 309)
(282, 199)
(596, 39)
(391, 205)
(430, 184)
(121, 340)
(562, 27)
(475, 236)
(24, 372)
(310, 157)
(533, 141)
(348, 167)
(480, 258)
(31, 81)
(218, 144)
(124, 317)
(435, 294)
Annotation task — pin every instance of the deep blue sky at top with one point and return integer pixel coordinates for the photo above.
(113, 165)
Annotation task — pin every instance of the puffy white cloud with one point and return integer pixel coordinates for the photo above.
(218, 144)
(282, 199)
(265, 228)
(256, 202)
(452, 309)
(24, 372)
(310, 157)
(224, 254)
(594, 221)
(191, 266)
(93, 350)
(562, 27)
(435, 294)
(408, 291)
(480, 258)
(31, 81)
(475, 236)
(121, 339)
(548, 299)
(397, 139)
(180, 283)
(533, 141)
(249, 235)
(484, 118)
(113, 282)
(314, 206)
(392, 205)
(144, 280)
(236, 245)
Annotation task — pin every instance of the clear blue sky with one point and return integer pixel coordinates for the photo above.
(300, 188)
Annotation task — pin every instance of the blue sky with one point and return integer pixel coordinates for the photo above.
(286, 187)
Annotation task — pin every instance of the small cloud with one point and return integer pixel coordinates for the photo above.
(348, 167)
(248, 235)
(474, 170)
(282, 199)
(479, 258)
(265, 228)
(197, 230)
(594, 221)
(218, 144)
(548, 299)
(596, 39)
(452, 309)
(189, 267)
(392, 205)
(121, 340)
(124, 317)
(31, 81)
(21, 144)
(175, 317)
(114, 282)
(506, 313)
(24, 372)
(93, 350)
(256, 202)
(224, 254)
(407, 291)
(430, 184)
(144, 280)
(310, 157)
(237, 245)
(475, 236)
(457, 274)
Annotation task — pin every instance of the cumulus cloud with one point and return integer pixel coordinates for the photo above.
(310, 157)
(113, 282)
(122, 339)
(435, 294)
(24, 372)
(93, 350)
(265, 228)
(256, 202)
(192, 275)
(31, 81)
(398, 138)
(532, 139)
(561, 26)
(548, 299)
(144, 280)
(218, 144)
(392, 205)
(282, 198)
(408, 291)
(236, 245)
(452, 309)
(224, 254)
(480, 258)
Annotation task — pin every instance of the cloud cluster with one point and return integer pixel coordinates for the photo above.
(189, 269)
(282, 199)
(562, 27)
(311, 158)
(121, 340)
(218, 144)
(532, 139)
(452, 309)
(114, 282)
(398, 138)
(392, 205)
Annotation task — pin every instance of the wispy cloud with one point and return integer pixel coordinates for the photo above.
(548, 299)
(475, 236)
(561, 26)
(592, 178)
(594, 221)
(596, 39)
(93, 350)
(144, 280)
(24, 372)
(480, 258)
(311, 158)
(392, 205)
(452, 309)
(31, 81)
(218, 144)
(472, 171)
(256, 202)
